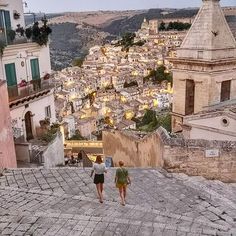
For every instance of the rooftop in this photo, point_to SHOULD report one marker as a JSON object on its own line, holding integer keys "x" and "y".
{"x": 63, "y": 201}
{"x": 210, "y": 33}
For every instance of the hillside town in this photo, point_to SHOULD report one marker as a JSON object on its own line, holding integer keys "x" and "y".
{"x": 112, "y": 85}
{"x": 138, "y": 138}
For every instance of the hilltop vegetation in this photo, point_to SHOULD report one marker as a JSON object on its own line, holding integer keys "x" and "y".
{"x": 133, "y": 24}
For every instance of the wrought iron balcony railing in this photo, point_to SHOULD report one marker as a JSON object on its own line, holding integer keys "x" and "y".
{"x": 28, "y": 89}
{"x": 6, "y": 39}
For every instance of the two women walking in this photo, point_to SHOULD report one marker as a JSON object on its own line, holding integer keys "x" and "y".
{"x": 122, "y": 178}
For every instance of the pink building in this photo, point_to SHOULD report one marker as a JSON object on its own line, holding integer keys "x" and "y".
{"x": 7, "y": 148}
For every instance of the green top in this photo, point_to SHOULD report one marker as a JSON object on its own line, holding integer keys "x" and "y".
{"x": 122, "y": 175}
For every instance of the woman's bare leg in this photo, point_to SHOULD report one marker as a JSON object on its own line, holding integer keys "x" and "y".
{"x": 124, "y": 191}
{"x": 122, "y": 195}
{"x": 99, "y": 191}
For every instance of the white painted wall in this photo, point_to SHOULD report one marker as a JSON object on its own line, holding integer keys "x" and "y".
{"x": 70, "y": 120}
{"x": 22, "y": 55}
{"x": 197, "y": 133}
{"x": 54, "y": 154}
{"x": 216, "y": 122}
{"x": 37, "y": 108}
{"x": 14, "y": 5}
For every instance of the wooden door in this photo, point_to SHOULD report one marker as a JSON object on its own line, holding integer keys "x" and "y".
{"x": 28, "y": 126}
{"x": 225, "y": 91}
{"x": 189, "y": 99}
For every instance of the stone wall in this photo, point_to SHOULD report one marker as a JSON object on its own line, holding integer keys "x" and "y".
{"x": 23, "y": 152}
{"x": 134, "y": 151}
{"x": 54, "y": 154}
{"x": 189, "y": 157}
{"x": 173, "y": 154}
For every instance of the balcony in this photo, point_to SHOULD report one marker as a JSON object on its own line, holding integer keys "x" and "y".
{"x": 3, "y": 3}
{"x": 27, "y": 91}
{"x": 8, "y": 40}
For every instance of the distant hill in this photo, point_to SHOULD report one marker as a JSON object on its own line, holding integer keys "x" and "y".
{"x": 132, "y": 24}
{"x": 68, "y": 41}
{"x": 29, "y": 18}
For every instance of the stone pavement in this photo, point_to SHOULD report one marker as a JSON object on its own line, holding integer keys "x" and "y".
{"x": 63, "y": 201}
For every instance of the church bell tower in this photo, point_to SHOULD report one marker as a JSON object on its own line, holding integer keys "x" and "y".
{"x": 204, "y": 71}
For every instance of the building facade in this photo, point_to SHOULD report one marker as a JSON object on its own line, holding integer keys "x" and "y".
{"x": 25, "y": 66}
{"x": 205, "y": 68}
{"x": 7, "y": 149}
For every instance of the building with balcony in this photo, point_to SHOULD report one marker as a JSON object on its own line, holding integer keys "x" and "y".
{"x": 26, "y": 68}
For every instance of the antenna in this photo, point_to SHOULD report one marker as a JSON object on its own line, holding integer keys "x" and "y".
{"x": 25, "y": 4}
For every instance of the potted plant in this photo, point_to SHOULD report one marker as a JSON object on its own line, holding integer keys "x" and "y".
{"x": 46, "y": 76}
{"x": 28, "y": 33}
{"x": 45, "y": 123}
{"x": 16, "y": 15}
{"x": 40, "y": 35}
{"x": 20, "y": 30}
{"x": 23, "y": 83}
{"x": 11, "y": 35}
{"x": 2, "y": 47}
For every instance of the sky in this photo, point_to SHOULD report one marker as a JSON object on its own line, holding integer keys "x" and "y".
{"x": 52, "y": 6}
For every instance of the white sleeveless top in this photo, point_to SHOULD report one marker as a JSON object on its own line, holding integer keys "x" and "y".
{"x": 99, "y": 168}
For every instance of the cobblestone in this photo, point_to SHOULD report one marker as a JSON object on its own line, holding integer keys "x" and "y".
{"x": 63, "y": 201}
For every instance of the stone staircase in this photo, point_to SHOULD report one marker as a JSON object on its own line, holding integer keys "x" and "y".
{"x": 63, "y": 202}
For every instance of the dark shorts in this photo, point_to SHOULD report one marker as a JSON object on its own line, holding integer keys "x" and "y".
{"x": 99, "y": 179}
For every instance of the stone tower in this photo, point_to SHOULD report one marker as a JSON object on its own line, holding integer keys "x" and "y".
{"x": 204, "y": 70}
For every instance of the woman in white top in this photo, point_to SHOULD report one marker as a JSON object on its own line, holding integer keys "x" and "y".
{"x": 99, "y": 168}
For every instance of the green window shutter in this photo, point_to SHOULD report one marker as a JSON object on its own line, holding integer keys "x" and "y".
{"x": 10, "y": 70}
{"x": 2, "y": 26}
{"x": 7, "y": 20}
{"x": 35, "y": 69}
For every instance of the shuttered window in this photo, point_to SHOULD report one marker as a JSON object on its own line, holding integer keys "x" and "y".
{"x": 5, "y": 26}
{"x": 7, "y": 20}
{"x": 10, "y": 70}
{"x": 2, "y": 25}
{"x": 35, "y": 69}
{"x": 225, "y": 90}
{"x": 190, "y": 97}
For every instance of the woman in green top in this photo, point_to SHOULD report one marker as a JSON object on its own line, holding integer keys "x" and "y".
{"x": 122, "y": 180}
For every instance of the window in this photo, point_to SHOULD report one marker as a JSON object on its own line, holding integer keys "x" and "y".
{"x": 48, "y": 112}
{"x": 35, "y": 69}
{"x": 225, "y": 122}
{"x": 10, "y": 70}
{"x": 5, "y": 24}
{"x": 189, "y": 97}
{"x": 225, "y": 91}
{"x": 200, "y": 54}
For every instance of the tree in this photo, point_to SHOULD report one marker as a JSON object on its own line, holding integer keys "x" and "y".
{"x": 160, "y": 75}
{"x": 162, "y": 26}
{"x": 149, "y": 117}
{"x": 170, "y": 26}
{"x": 77, "y": 136}
{"x": 78, "y": 62}
{"x": 127, "y": 41}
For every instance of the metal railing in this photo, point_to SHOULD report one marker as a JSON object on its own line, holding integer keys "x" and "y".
{"x": 32, "y": 87}
{"x": 6, "y": 40}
